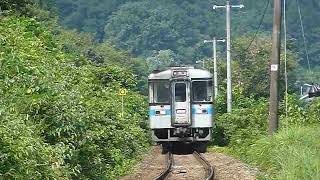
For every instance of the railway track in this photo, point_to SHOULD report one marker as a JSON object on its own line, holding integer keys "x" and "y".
{"x": 206, "y": 164}
{"x": 166, "y": 172}
{"x": 199, "y": 157}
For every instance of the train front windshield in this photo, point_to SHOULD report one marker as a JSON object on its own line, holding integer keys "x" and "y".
{"x": 159, "y": 92}
{"x": 202, "y": 91}
{"x": 180, "y": 92}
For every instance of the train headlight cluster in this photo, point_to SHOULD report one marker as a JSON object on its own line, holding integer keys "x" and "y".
{"x": 201, "y": 111}
{"x": 161, "y": 112}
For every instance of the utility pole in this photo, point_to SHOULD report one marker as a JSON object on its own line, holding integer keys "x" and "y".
{"x": 228, "y": 29}
{"x": 275, "y": 68}
{"x": 215, "y": 68}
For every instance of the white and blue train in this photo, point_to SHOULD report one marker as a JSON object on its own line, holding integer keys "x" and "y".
{"x": 181, "y": 106}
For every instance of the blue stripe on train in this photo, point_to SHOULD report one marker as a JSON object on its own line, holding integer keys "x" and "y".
{"x": 210, "y": 110}
{"x": 152, "y": 112}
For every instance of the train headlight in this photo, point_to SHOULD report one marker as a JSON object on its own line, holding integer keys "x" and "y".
{"x": 161, "y": 112}
{"x": 201, "y": 111}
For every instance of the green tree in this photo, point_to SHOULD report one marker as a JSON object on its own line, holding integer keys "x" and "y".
{"x": 251, "y": 69}
{"x": 141, "y": 27}
{"x": 16, "y": 5}
{"x": 162, "y": 60}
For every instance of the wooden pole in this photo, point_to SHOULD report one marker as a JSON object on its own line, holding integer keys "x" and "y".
{"x": 275, "y": 68}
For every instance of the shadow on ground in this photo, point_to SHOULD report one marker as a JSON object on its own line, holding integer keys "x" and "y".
{"x": 181, "y": 148}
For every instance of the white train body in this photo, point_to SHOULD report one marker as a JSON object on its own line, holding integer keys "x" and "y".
{"x": 181, "y": 105}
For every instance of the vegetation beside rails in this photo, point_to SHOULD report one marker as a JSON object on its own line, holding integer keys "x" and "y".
{"x": 60, "y": 114}
{"x": 291, "y": 153}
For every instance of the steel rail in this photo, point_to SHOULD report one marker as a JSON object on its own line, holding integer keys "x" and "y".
{"x": 204, "y": 162}
{"x": 166, "y": 172}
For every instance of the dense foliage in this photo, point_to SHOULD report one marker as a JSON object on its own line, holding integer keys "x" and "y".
{"x": 245, "y": 134}
{"x": 145, "y": 26}
{"x": 103, "y": 54}
{"x": 16, "y": 5}
{"x": 60, "y": 113}
{"x": 250, "y": 68}
{"x": 243, "y": 130}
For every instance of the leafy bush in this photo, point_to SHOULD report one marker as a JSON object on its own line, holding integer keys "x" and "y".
{"x": 292, "y": 153}
{"x": 249, "y": 119}
{"x": 243, "y": 126}
{"x": 63, "y": 118}
{"x": 24, "y": 154}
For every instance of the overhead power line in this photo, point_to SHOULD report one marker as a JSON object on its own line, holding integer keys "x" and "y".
{"x": 260, "y": 24}
{"x": 259, "y": 27}
{"x": 304, "y": 39}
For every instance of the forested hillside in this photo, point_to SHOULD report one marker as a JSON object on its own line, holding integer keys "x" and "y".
{"x": 145, "y": 27}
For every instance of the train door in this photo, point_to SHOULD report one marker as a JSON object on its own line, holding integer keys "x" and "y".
{"x": 181, "y": 103}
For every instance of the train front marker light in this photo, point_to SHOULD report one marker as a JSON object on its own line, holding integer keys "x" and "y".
{"x": 161, "y": 112}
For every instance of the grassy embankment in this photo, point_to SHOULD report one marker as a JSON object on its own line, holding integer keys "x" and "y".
{"x": 291, "y": 153}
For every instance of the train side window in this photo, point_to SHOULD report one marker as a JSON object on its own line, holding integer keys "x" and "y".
{"x": 180, "y": 92}
{"x": 202, "y": 91}
{"x": 160, "y": 92}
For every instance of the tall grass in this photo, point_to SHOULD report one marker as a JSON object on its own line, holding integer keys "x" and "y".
{"x": 293, "y": 153}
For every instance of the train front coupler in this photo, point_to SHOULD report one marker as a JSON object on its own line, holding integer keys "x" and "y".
{"x": 181, "y": 132}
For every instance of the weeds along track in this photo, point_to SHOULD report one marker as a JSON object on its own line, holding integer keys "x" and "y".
{"x": 170, "y": 162}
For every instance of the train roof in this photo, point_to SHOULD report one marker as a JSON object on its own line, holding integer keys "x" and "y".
{"x": 191, "y": 73}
